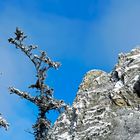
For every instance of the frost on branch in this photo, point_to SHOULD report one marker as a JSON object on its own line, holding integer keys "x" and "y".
{"x": 44, "y": 101}
{"x": 3, "y": 123}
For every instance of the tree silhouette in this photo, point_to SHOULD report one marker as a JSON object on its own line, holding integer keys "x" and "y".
{"x": 44, "y": 100}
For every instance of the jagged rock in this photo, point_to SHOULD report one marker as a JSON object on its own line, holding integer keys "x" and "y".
{"x": 107, "y": 105}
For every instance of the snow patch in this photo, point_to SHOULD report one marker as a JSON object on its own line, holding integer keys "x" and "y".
{"x": 118, "y": 86}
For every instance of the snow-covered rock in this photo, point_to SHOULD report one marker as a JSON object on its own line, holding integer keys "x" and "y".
{"x": 107, "y": 105}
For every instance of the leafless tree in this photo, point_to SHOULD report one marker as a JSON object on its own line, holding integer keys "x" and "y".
{"x": 44, "y": 100}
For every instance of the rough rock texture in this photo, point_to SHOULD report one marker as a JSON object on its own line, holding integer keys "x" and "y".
{"x": 106, "y": 106}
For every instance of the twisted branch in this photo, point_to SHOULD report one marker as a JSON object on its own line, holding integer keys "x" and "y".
{"x": 44, "y": 101}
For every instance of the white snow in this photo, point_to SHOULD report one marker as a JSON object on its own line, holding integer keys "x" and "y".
{"x": 136, "y": 77}
{"x": 80, "y": 105}
{"x": 135, "y": 56}
{"x": 65, "y": 120}
{"x": 65, "y": 135}
{"x": 131, "y": 67}
{"x": 118, "y": 85}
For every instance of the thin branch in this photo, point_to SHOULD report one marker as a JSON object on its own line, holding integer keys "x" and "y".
{"x": 3, "y": 123}
{"x": 24, "y": 95}
{"x": 38, "y": 61}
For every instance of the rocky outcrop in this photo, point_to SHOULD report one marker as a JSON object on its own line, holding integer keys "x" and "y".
{"x": 107, "y": 105}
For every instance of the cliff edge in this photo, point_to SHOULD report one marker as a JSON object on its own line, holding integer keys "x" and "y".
{"x": 107, "y": 105}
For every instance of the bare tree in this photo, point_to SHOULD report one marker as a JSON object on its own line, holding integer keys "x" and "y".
{"x": 44, "y": 100}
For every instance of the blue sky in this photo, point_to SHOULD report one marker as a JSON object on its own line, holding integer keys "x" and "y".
{"x": 82, "y": 35}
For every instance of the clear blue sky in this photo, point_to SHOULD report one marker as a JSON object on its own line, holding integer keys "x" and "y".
{"x": 81, "y": 34}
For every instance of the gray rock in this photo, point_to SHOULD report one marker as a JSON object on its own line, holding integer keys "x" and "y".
{"x": 106, "y": 107}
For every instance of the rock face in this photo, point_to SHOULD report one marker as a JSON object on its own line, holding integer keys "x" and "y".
{"x": 107, "y": 105}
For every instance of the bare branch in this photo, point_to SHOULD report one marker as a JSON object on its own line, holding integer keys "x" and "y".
{"x": 38, "y": 61}
{"x": 44, "y": 101}
{"x": 3, "y": 123}
{"x": 24, "y": 95}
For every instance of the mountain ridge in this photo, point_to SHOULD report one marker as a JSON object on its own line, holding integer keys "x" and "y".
{"x": 106, "y": 106}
